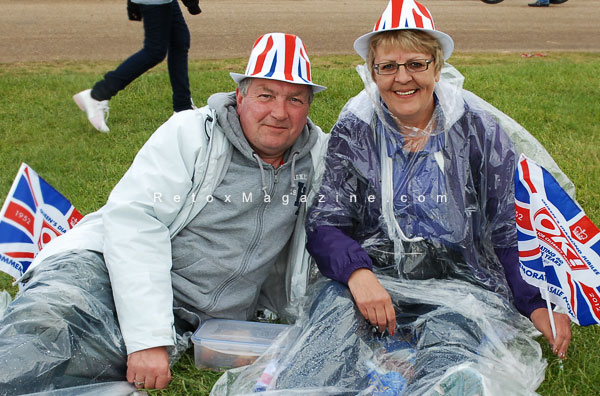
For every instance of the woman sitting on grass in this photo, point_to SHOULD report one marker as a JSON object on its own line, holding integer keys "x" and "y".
{"x": 415, "y": 225}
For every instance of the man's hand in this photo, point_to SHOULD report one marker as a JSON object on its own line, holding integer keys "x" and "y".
{"x": 372, "y": 300}
{"x": 149, "y": 368}
{"x": 562, "y": 322}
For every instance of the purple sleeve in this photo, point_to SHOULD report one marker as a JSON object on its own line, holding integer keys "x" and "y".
{"x": 527, "y": 297}
{"x": 336, "y": 254}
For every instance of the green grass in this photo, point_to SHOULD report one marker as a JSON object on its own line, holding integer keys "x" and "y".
{"x": 555, "y": 97}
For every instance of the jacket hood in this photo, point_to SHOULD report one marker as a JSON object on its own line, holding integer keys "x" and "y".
{"x": 225, "y": 106}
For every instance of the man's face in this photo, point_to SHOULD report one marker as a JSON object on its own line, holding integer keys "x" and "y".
{"x": 273, "y": 114}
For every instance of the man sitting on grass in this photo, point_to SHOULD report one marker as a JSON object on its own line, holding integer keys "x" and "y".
{"x": 207, "y": 222}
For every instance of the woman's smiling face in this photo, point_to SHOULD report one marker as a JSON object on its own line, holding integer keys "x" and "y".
{"x": 408, "y": 96}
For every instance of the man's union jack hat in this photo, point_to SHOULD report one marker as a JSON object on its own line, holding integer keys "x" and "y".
{"x": 279, "y": 56}
{"x": 400, "y": 15}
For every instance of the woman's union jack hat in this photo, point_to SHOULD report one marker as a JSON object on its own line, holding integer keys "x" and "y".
{"x": 405, "y": 14}
{"x": 279, "y": 56}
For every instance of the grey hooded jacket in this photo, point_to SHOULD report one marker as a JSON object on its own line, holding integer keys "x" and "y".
{"x": 224, "y": 255}
{"x": 168, "y": 184}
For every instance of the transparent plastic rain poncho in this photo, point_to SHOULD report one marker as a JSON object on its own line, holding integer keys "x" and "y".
{"x": 429, "y": 220}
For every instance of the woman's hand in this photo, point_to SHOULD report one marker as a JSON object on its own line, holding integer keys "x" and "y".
{"x": 149, "y": 368}
{"x": 562, "y": 322}
{"x": 372, "y": 300}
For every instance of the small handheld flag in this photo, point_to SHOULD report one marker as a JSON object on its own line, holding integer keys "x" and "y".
{"x": 33, "y": 214}
{"x": 559, "y": 247}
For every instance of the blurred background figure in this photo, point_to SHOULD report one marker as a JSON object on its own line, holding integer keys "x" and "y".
{"x": 165, "y": 35}
{"x": 545, "y": 3}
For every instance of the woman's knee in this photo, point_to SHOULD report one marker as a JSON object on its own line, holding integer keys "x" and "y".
{"x": 333, "y": 296}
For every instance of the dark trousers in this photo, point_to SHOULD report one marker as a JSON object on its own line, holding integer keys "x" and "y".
{"x": 165, "y": 33}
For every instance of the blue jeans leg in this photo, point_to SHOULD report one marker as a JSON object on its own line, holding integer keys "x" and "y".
{"x": 164, "y": 27}
{"x": 177, "y": 60}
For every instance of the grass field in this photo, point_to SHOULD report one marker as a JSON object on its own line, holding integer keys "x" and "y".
{"x": 555, "y": 97}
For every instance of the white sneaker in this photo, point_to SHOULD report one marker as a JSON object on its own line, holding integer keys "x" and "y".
{"x": 96, "y": 110}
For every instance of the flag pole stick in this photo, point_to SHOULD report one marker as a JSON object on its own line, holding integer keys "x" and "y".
{"x": 551, "y": 317}
{"x": 549, "y": 306}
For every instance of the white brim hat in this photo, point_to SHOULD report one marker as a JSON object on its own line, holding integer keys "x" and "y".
{"x": 405, "y": 15}
{"x": 282, "y": 57}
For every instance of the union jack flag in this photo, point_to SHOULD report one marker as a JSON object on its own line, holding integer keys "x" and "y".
{"x": 559, "y": 247}
{"x": 33, "y": 214}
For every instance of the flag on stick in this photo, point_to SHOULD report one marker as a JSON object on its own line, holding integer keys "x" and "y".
{"x": 559, "y": 247}
{"x": 33, "y": 214}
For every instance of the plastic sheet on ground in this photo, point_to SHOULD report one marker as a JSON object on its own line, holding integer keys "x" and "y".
{"x": 61, "y": 334}
{"x": 5, "y": 299}
{"x": 453, "y": 338}
{"x": 118, "y": 388}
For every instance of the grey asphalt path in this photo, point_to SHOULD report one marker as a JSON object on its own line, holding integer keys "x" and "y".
{"x": 46, "y": 30}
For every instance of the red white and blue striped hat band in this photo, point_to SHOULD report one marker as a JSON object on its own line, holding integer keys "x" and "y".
{"x": 405, "y": 15}
{"x": 282, "y": 57}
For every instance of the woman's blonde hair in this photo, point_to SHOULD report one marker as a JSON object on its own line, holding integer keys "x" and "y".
{"x": 408, "y": 40}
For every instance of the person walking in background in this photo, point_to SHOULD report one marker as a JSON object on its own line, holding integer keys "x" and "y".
{"x": 545, "y": 3}
{"x": 165, "y": 33}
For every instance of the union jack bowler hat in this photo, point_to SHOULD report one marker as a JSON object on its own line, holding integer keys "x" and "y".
{"x": 401, "y": 15}
{"x": 279, "y": 56}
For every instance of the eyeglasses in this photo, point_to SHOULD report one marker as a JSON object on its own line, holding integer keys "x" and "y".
{"x": 412, "y": 66}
